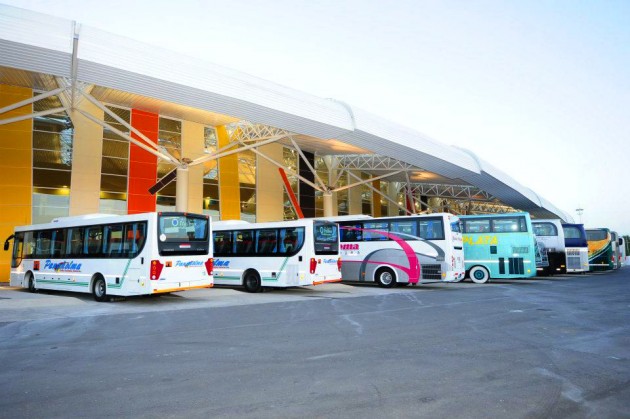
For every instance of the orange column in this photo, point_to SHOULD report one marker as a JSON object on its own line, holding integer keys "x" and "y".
{"x": 142, "y": 164}
{"x": 376, "y": 199}
{"x": 229, "y": 186}
{"x": 16, "y": 171}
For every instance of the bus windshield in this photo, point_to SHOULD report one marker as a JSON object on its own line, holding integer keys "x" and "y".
{"x": 596, "y": 235}
{"x": 326, "y": 238}
{"x": 182, "y": 234}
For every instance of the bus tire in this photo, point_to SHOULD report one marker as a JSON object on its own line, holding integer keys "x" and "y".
{"x": 385, "y": 278}
{"x": 30, "y": 280}
{"x": 99, "y": 289}
{"x": 479, "y": 275}
{"x": 251, "y": 281}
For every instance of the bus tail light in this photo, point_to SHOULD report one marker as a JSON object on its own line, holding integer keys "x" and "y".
{"x": 313, "y": 265}
{"x": 156, "y": 269}
{"x": 209, "y": 266}
{"x": 339, "y": 264}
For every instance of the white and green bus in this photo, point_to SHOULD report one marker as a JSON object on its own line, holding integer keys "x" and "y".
{"x": 276, "y": 254}
{"x": 114, "y": 255}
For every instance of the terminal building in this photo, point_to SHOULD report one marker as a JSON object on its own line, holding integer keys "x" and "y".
{"x": 90, "y": 122}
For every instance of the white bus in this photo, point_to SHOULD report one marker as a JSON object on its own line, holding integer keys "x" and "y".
{"x": 276, "y": 254}
{"x": 550, "y": 234}
{"x": 114, "y": 255}
{"x": 403, "y": 250}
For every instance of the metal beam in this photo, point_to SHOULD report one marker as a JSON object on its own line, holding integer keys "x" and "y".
{"x": 31, "y": 115}
{"x": 32, "y": 100}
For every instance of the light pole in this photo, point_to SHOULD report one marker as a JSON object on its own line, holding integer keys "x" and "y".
{"x": 579, "y": 213}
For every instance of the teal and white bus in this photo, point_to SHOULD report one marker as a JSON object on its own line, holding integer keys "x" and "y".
{"x": 499, "y": 246}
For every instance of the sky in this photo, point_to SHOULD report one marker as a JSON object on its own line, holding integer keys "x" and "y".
{"x": 539, "y": 89}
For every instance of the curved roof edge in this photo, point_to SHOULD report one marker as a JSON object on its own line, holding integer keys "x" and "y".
{"x": 41, "y": 43}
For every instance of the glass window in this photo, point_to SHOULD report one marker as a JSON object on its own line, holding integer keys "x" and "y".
{"x": 44, "y": 239}
{"x": 115, "y": 164}
{"x": 244, "y": 240}
{"x": 114, "y": 243}
{"x": 18, "y": 248}
{"x": 509, "y": 225}
{"x": 545, "y": 229}
{"x": 571, "y": 232}
{"x": 456, "y": 226}
{"x": 169, "y": 137}
{"x": 407, "y": 227}
{"x": 222, "y": 243}
{"x": 477, "y": 226}
{"x": 291, "y": 240}
{"x": 59, "y": 243}
{"x": 351, "y": 232}
{"x": 596, "y": 235}
{"x": 431, "y": 229}
{"x": 52, "y": 142}
{"x": 375, "y": 235}
{"x": 266, "y": 241}
{"x": 93, "y": 240}
{"x": 326, "y": 238}
{"x": 290, "y": 159}
{"x": 30, "y": 244}
{"x": 182, "y": 228}
{"x": 76, "y": 241}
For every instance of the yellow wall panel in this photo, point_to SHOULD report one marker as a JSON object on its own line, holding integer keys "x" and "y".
{"x": 192, "y": 148}
{"x": 87, "y": 152}
{"x": 15, "y": 172}
{"x": 269, "y": 186}
{"x": 229, "y": 188}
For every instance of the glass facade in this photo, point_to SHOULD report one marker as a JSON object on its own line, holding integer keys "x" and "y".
{"x": 343, "y": 203}
{"x": 211, "y": 176}
{"x": 169, "y": 137}
{"x": 290, "y": 158}
{"x": 53, "y": 137}
{"x": 366, "y": 195}
{"x": 247, "y": 184}
{"x": 115, "y": 164}
{"x": 322, "y": 171}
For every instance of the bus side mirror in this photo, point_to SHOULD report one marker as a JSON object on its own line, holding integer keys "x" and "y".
{"x": 6, "y": 245}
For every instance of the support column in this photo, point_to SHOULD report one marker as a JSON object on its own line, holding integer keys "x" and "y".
{"x": 229, "y": 188}
{"x": 376, "y": 199}
{"x": 16, "y": 171}
{"x": 355, "y": 206}
{"x": 142, "y": 164}
{"x": 328, "y": 205}
{"x": 87, "y": 156}
{"x": 269, "y": 186}
{"x": 392, "y": 193}
{"x": 192, "y": 148}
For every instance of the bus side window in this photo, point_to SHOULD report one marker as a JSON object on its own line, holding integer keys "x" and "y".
{"x": 267, "y": 241}
{"x": 244, "y": 242}
{"x": 30, "y": 244}
{"x": 351, "y": 234}
{"x": 141, "y": 236}
{"x": 76, "y": 241}
{"x": 94, "y": 240}
{"x": 18, "y": 248}
{"x": 59, "y": 243}
{"x": 113, "y": 246}
{"x": 44, "y": 240}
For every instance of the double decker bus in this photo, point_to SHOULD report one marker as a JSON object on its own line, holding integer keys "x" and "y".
{"x": 276, "y": 254}
{"x": 499, "y": 246}
{"x": 401, "y": 250}
{"x": 601, "y": 249}
{"x": 576, "y": 248}
{"x": 114, "y": 255}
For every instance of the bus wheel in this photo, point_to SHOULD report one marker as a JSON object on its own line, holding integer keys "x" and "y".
{"x": 385, "y": 277}
{"x": 99, "y": 289}
{"x": 252, "y": 282}
{"x": 479, "y": 275}
{"x": 31, "y": 283}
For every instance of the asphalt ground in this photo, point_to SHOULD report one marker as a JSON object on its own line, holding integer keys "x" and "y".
{"x": 539, "y": 348}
